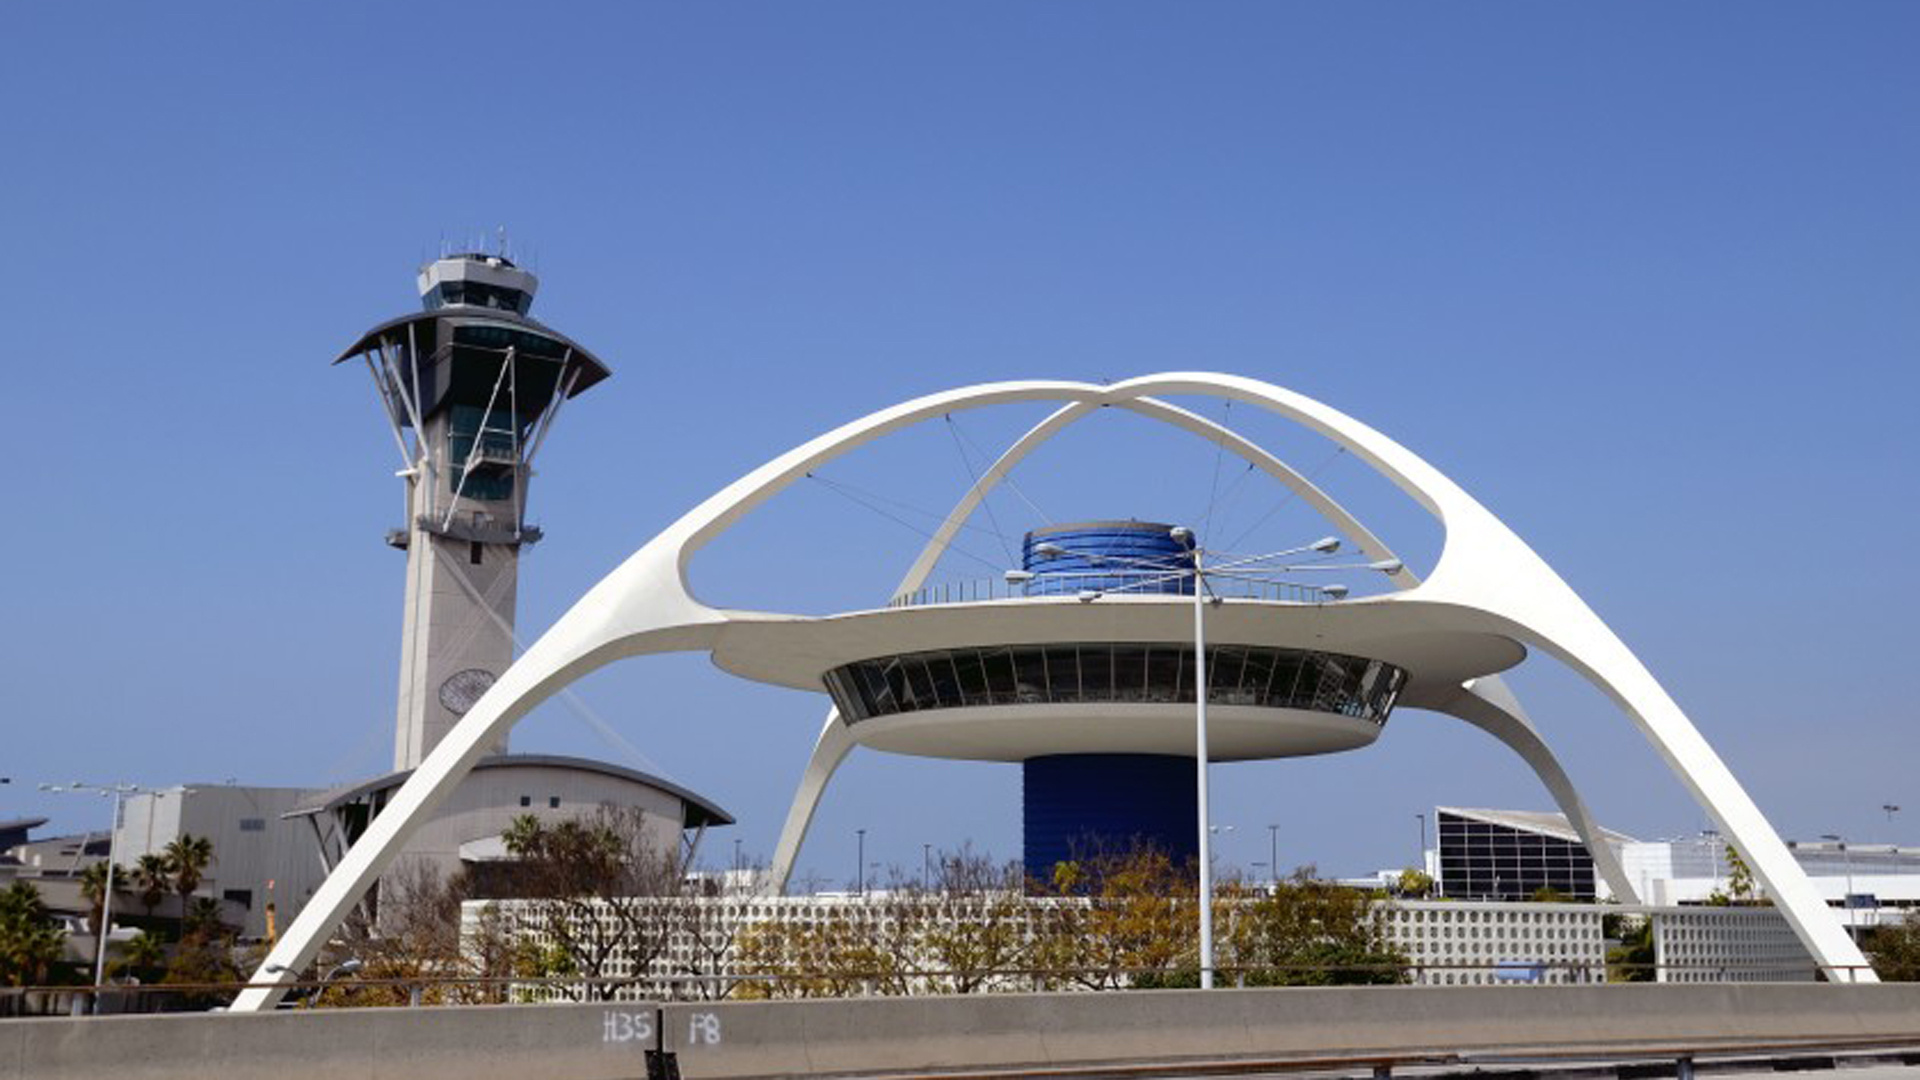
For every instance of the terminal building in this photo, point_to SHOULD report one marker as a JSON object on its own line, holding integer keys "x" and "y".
{"x": 1510, "y": 855}
{"x": 1083, "y": 664}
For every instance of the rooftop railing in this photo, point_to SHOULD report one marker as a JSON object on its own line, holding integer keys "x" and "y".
{"x": 1107, "y": 583}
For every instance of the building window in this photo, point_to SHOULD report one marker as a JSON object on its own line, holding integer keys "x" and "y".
{"x": 1130, "y": 672}
{"x": 253, "y": 824}
{"x": 553, "y": 802}
{"x": 474, "y": 551}
{"x": 526, "y": 800}
{"x": 243, "y": 897}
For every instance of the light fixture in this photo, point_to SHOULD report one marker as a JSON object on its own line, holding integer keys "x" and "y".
{"x": 1334, "y": 592}
{"x": 1017, "y": 577}
{"x": 1326, "y": 545}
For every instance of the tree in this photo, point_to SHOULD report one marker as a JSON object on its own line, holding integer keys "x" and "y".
{"x": 151, "y": 879}
{"x": 1118, "y": 920}
{"x": 1308, "y": 932}
{"x": 974, "y": 925}
{"x": 413, "y": 944}
{"x": 1895, "y": 950}
{"x": 93, "y": 889}
{"x": 1414, "y": 884}
{"x": 1634, "y": 958}
{"x": 30, "y": 942}
{"x": 594, "y": 883}
{"x": 188, "y": 857}
{"x": 144, "y": 958}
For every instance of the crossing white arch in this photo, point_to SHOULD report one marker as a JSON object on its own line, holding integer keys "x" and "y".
{"x": 1486, "y": 579}
{"x": 1487, "y": 703}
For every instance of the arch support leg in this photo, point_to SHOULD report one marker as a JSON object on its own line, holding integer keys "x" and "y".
{"x": 828, "y": 752}
{"x": 1490, "y": 705}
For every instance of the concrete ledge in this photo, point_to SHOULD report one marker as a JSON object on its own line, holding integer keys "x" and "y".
{"x": 734, "y": 1041}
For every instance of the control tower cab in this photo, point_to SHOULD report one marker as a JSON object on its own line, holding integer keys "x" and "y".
{"x": 470, "y": 386}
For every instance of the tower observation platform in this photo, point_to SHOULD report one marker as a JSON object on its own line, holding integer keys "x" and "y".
{"x": 470, "y": 386}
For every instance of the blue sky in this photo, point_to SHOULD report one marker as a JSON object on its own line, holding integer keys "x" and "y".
{"x": 1641, "y": 278}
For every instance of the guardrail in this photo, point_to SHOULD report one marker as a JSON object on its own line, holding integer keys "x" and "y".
{"x": 842, "y": 984}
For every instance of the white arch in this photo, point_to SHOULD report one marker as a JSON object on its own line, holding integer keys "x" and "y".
{"x": 1488, "y": 704}
{"x": 1486, "y": 578}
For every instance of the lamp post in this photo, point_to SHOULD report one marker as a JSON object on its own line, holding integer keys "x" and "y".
{"x": 1273, "y": 854}
{"x": 860, "y": 862}
{"x": 118, "y": 793}
{"x": 1423, "y": 841}
{"x": 1846, "y": 902}
{"x": 1150, "y": 573}
{"x": 926, "y": 867}
{"x": 1889, "y": 808}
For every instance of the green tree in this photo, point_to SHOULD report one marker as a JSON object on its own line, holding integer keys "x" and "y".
{"x": 1895, "y": 950}
{"x": 151, "y": 880}
{"x": 144, "y": 958}
{"x": 30, "y": 941}
{"x": 188, "y": 857}
{"x": 93, "y": 889}
{"x": 1633, "y": 959}
{"x": 1309, "y": 932}
{"x": 1118, "y": 920}
{"x": 1414, "y": 884}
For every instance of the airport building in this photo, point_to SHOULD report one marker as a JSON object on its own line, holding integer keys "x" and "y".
{"x": 1127, "y": 657}
{"x": 1510, "y": 855}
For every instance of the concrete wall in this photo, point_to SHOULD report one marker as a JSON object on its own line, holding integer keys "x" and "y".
{"x": 733, "y": 1040}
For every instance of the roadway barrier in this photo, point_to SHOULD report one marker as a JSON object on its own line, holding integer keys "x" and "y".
{"x": 737, "y": 1040}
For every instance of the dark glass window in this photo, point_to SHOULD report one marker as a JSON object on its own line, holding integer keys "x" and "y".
{"x": 1094, "y": 672}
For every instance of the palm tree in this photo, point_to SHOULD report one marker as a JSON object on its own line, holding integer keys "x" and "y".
{"x": 187, "y": 859}
{"x": 144, "y": 957}
{"x": 30, "y": 943}
{"x": 151, "y": 879}
{"x": 93, "y": 889}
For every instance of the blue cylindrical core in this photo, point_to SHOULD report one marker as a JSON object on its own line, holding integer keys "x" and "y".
{"x": 1105, "y": 556}
{"x": 1079, "y": 806}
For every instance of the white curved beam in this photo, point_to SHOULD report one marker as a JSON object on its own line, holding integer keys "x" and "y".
{"x": 829, "y": 750}
{"x": 1485, "y": 572}
{"x": 1489, "y": 705}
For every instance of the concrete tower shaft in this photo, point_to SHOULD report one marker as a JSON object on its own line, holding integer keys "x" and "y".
{"x": 470, "y": 388}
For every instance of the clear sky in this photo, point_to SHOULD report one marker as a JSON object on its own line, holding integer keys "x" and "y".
{"x": 1643, "y": 278}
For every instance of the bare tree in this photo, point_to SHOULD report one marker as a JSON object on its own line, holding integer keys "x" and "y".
{"x": 594, "y": 886}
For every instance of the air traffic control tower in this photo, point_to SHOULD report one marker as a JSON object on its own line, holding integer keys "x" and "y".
{"x": 470, "y": 386}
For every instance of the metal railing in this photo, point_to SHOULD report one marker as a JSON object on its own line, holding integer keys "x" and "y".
{"x": 1052, "y": 587}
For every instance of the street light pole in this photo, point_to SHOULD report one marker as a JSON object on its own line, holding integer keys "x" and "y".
{"x": 1423, "y": 841}
{"x": 1273, "y": 856}
{"x": 1200, "y": 761}
{"x": 1846, "y": 902}
{"x": 926, "y": 867}
{"x": 860, "y": 863}
{"x": 117, "y": 792}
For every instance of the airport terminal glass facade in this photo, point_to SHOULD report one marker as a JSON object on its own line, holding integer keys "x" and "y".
{"x": 1491, "y": 860}
{"x": 1118, "y": 673}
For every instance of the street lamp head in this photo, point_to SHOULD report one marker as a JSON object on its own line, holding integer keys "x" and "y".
{"x": 1018, "y": 577}
{"x": 1049, "y": 550}
{"x": 1181, "y": 534}
{"x": 1326, "y": 545}
{"x": 1334, "y": 592}
{"x": 1088, "y": 596}
{"x": 1387, "y": 566}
